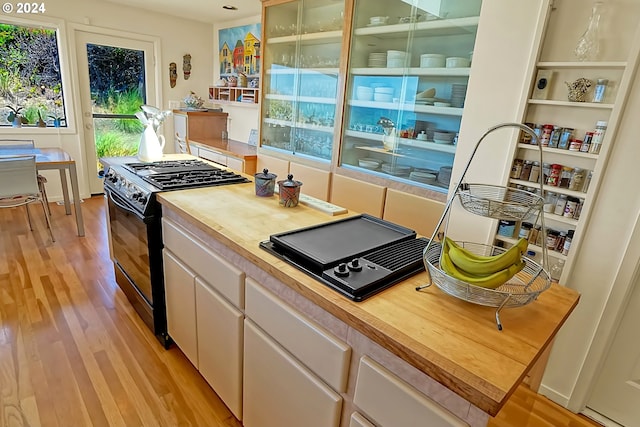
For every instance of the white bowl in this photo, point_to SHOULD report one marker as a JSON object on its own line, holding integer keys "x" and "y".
{"x": 364, "y": 96}
{"x": 442, "y": 104}
{"x": 457, "y": 62}
{"x": 377, "y": 20}
{"x": 369, "y": 163}
{"x": 395, "y": 63}
{"x": 432, "y": 61}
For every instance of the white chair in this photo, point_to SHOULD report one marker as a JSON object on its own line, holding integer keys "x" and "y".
{"x": 183, "y": 145}
{"x": 27, "y": 144}
{"x": 19, "y": 186}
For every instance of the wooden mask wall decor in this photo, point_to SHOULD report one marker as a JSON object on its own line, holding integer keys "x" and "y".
{"x": 186, "y": 66}
{"x": 173, "y": 74}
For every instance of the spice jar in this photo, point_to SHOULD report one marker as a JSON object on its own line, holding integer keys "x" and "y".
{"x": 598, "y": 136}
{"x": 565, "y": 138}
{"x": 525, "y": 229}
{"x": 575, "y": 145}
{"x": 586, "y": 142}
{"x": 525, "y": 137}
{"x": 577, "y": 179}
{"x": 555, "y": 137}
{"x": 565, "y": 176}
{"x": 535, "y": 172}
{"x": 567, "y": 242}
{"x": 570, "y": 207}
{"x": 598, "y": 92}
{"x": 587, "y": 181}
{"x": 560, "y": 205}
{"x": 554, "y": 175}
{"x": 516, "y": 169}
{"x": 550, "y": 201}
{"x": 537, "y": 129}
{"x": 560, "y": 241}
{"x": 545, "y": 137}
{"x": 546, "y": 169}
{"x": 534, "y": 234}
{"x": 526, "y": 170}
{"x": 552, "y": 239}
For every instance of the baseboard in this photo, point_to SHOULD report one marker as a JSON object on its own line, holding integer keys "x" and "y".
{"x": 593, "y": 415}
{"x": 553, "y": 395}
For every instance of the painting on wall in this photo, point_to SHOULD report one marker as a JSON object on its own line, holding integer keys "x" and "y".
{"x": 239, "y": 51}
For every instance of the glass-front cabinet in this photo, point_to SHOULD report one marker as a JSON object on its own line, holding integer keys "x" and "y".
{"x": 303, "y": 45}
{"x": 409, "y": 65}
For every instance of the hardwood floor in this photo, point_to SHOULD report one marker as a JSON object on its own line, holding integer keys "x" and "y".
{"x": 74, "y": 353}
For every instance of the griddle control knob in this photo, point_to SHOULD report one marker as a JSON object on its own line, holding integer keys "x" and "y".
{"x": 341, "y": 270}
{"x": 355, "y": 265}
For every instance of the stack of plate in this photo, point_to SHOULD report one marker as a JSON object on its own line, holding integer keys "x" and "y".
{"x": 432, "y": 60}
{"x": 369, "y": 163}
{"x": 444, "y": 175}
{"x": 443, "y": 137}
{"x": 364, "y": 93}
{"x": 397, "y": 58}
{"x": 383, "y": 94}
{"x": 396, "y": 170}
{"x": 377, "y": 60}
{"x": 458, "y": 94}
{"x": 424, "y": 177}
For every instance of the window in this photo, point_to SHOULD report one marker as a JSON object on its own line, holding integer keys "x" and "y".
{"x": 31, "y": 92}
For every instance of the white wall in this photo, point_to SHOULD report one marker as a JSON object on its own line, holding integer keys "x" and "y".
{"x": 177, "y": 37}
{"x": 242, "y": 118}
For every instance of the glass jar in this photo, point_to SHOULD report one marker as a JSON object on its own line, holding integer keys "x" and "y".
{"x": 516, "y": 169}
{"x": 552, "y": 239}
{"x": 587, "y": 181}
{"x": 577, "y": 179}
{"x": 555, "y": 137}
{"x": 534, "y": 234}
{"x": 546, "y": 169}
{"x": 565, "y": 138}
{"x": 554, "y": 175}
{"x": 598, "y": 92}
{"x": 525, "y": 230}
{"x": 506, "y": 228}
{"x": 535, "y": 172}
{"x": 526, "y": 170}
{"x": 567, "y": 242}
{"x": 588, "y": 45}
{"x": 560, "y": 205}
{"x": 598, "y": 136}
{"x": 550, "y": 201}
{"x": 575, "y": 145}
{"x": 565, "y": 176}
{"x": 570, "y": 207}
{"x": 546, "y": 135}
{"x": 586, "y": 142}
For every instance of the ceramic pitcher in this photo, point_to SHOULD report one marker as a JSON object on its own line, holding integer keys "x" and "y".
{"x": 151, "y": 145}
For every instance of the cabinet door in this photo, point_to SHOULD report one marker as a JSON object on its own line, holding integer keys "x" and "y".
{"x": 278, "y": 391}
{"x": 303, "y": 47}
{"x": 180, "y": 125}
{"x": 179, "y": 284}
{"x": 220, "y": 334}
{"x": 407, "y": 82}
{"x": 235, "y": 164}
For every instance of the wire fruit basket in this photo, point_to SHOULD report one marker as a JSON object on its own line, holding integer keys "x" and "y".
{"x": 495, "y": 202}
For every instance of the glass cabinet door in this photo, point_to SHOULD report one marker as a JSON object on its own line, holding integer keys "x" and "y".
{"x": 408, "y": 72}
{"x": 301, "y": 70}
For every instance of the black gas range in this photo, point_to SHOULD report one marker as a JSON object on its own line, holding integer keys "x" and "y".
{"x": 136, "y": 230}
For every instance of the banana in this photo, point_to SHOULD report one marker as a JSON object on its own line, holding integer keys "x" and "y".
{"x": 477, "y": 265}
{"x": 491, "y": 281}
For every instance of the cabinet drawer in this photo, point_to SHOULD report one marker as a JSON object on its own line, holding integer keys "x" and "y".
{"x": 314, "y": 346}
{"x": 281, "y": 392}
{"x": 179, "y": 283}
{"x": 221, "y": 275}
{"x": 220, "y": 340}
{"x": 357, "y": 420}
{"x": 389, "y": 401}
{"x": 235, "y": 164}
{"x": 213, "y": 156}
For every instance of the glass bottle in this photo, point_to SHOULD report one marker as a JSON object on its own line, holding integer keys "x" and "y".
{"x": 556, "y": 270}
{"x": 588, "y": 45}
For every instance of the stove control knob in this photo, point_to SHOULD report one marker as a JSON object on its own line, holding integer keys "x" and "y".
{"x": 142, "y": 200}
{"x": 355, "y": 265}
{"x": 341, "y": 270}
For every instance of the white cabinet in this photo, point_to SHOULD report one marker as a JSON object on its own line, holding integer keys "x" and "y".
{"x": 179, "y": 282}
{"x": 205, "y": 295}
{"x": 279, "y": 391}
{"x": 390, "y": 402}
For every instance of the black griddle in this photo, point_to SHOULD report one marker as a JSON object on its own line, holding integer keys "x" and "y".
{"x": 357, "y": 256}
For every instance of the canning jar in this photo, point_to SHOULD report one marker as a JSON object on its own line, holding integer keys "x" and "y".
{"x": 577, "y": 179}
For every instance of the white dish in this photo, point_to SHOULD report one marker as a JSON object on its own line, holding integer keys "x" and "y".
{"x": 384, "y": 89}
{"x": 442, "y": 104}
{"x": 382, "y": 97}
{"x": 443, "y": 142}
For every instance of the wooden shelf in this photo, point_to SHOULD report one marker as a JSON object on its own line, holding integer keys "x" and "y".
{"x": 235, "y": 95}
{"x": 571, "y": 104}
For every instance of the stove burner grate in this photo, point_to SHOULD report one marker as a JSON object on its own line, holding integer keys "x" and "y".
{"x": 196, "y": 178}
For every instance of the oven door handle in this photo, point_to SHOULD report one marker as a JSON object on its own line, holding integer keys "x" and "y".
{"x": 116, "y": 200}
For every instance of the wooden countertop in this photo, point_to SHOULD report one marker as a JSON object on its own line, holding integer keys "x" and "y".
{"x": 232, "y": 147}
{"x": 454, "y": 342}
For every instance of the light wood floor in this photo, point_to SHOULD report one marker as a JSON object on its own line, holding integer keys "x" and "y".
{"x": 74, "y": 353}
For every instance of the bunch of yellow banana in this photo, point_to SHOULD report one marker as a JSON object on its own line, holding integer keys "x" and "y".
{"x": 484, "y": 271}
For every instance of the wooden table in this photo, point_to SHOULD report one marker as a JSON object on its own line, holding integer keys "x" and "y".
{"x": 52, "y": 159}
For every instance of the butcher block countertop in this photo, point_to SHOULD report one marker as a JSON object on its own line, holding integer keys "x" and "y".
{"x": 452, "y": 341}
